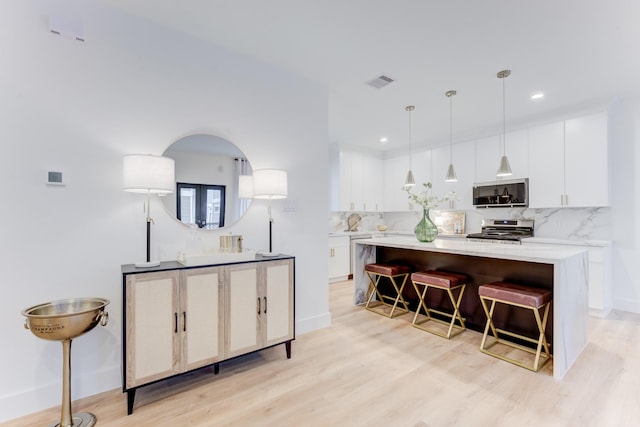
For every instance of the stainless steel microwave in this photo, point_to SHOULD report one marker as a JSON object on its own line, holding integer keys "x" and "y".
{"x": 503, "y": 193}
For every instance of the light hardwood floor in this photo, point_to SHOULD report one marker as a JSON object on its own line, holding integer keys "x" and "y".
{"x": 367, "y": 370}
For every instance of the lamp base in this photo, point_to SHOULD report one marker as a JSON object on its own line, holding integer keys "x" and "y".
{"x": 147, "y": 264}
{"x": 269, "y": 254}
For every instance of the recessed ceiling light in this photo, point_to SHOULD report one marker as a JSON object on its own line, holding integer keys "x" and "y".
{"x": 537, "y": 95}
{"x": 384, "y": 140}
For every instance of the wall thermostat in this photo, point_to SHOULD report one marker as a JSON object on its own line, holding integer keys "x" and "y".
{"x": 54, "y": 178}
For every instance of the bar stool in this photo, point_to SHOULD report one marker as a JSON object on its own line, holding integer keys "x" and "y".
{"x": 526, "y": 297}
{"x": 393, "y": 272}
{"x": 445, "y": 281}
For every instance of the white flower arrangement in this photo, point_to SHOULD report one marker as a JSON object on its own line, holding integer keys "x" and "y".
{"x": 423, "y": 199}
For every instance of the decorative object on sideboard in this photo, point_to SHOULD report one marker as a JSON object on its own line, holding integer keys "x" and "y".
{"x": 230, "y": 243}
{"x": 504, "y": 169}
{"x": 410, "y": 180}
{"x": 270, "y": 184}
{"x": 148, "y": 174}
{"x": 451, "y": 171}
{"x": 63, "y": 321}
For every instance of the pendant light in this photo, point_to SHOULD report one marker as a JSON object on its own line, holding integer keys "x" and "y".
{"x": 451, "y": 171}
{"x": 504, "y": 169}
{"x": 410, "y": 181}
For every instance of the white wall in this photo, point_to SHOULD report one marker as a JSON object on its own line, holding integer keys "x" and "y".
{"x": 78, "y": 108}
{"x": 624, "y": 139}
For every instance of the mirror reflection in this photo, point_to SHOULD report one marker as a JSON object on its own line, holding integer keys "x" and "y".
{"x": 207, "y": 175}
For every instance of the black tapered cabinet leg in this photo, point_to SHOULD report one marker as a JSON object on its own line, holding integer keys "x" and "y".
{"x": 216, "y": 369}
{"x": 131, "y": 396}
{"x": 287, "y": 347}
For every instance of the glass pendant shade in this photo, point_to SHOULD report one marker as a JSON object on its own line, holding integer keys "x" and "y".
{"x": 451, "y": 174}
{"x": 505, "y": 168}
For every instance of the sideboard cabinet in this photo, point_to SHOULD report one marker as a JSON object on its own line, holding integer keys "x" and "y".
{"x": 177, "y": 319}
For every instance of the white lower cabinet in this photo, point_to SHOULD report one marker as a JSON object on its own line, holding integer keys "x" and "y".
{"x": 179, "y": 319}
{"x": 600, "y": 275}
{"x": 339, "y": 258}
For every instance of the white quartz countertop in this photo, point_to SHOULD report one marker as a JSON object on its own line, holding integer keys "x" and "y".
{"x": 529, "y": 253}
{"x": 355, "y": 233}
{"x": 552, "y": 241}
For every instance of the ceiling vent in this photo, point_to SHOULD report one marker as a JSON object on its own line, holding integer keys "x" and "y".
{"x": 380, "y": 82}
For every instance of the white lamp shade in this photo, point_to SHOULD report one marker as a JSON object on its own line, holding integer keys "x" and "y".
{"x": 145, "y": 173}
{"x": 269, "y": 184}
{"x": 245, "y": 186}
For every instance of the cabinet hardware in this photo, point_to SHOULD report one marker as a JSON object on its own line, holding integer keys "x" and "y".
{"x": 265, "y": 305}
{"x": 175, "y": 329}
{"x": 259, "y": 308}
{"x": 184, "y": 321}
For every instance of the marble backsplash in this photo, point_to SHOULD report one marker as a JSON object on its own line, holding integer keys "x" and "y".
{"x": 560, "y": 223}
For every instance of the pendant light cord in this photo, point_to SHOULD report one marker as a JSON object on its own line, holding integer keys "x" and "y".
{"x": 410, "y": 108}
{"x": 451, "y": 128}
{"x": 504, "y": 117}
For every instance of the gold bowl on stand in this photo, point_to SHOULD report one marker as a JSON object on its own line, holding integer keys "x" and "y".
{"x": 64, "y": 320}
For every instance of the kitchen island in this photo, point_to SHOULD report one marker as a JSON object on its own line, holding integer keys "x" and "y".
{"x": 563, "y": 270}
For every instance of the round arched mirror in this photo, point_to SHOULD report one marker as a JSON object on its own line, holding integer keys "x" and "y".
{"x": 207, "y": 193}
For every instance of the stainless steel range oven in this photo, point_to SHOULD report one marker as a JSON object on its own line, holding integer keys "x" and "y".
{"x": 503, "y": 231}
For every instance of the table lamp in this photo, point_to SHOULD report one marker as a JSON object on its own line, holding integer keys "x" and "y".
{"x": 148, "y": 174}
{"x": 270, "y": 184}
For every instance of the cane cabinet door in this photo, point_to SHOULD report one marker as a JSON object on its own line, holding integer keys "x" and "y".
{"x": 201, "y": 322}
{"x": 152, "y": 338}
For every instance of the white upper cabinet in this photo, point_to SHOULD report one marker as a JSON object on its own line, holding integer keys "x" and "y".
{"x": 360, "y": 182}
{"x": 422, "y": 167}
{"x": 346, "y": 182}
{"x": 517, "y": 149}
{"x": 395, "y": 173}
{"x": 464, "y": 163}
{"x": 488, "y": 153}
{"x": 372, "y": 194}
{"x": 440, "y": 163}
{"x": 546, "y": 165}
{"x": 568, "y": 163}
{"x": 585, "y": 167}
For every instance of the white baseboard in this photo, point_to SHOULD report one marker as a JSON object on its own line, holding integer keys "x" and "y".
{"x": 26, "y": 402}
{"x": 313, "y": 323}
{"x": 624, "y": 304}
